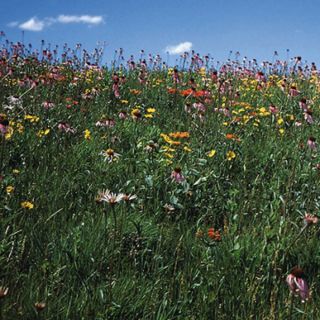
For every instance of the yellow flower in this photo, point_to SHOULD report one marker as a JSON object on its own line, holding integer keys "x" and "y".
{"x": 9, "y": 189}
{"x": 280, "y": 121}
{"x": 281, "y": 131}
{"x": 212, "y": 153}
{"x": 148, "y": 115}
{"x": 27, "y": 205}
{"x": 230, "y": 155}
{"x": 151, "y": 110}
{"x": 9, "y": 133}
{"x": 124, "y": 101}
{"x": 169, "y": 140}
{"x": 87, "y": 134}
{"x": 42, "y": 133}
{"x": 187, "y": 149}
{"x": 15, "y": 171}
{"x": 31, "y": 118}
{"x": 169, "y": 155}
{"x": 20, "y": 127}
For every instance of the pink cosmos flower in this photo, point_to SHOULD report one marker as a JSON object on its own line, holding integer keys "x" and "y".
{"x": 297, "y": 284}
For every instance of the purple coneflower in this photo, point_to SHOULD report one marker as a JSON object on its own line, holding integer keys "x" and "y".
{"x": 297, "y": 284}
{"x": 312, "y": 143}
{"x": 177, "y": 176}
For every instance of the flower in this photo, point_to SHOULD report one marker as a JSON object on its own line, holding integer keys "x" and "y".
{"x": 4, "y": 126}
{"x": 9, "y": 189}
{"x": 47, "y": 105}
{"x": 230, "y": 155}
{"x": 39, "y": 306}
{"x": 65, "y": 127}
{"x": 177, "y": 176}
{"x": 310, "y": 219}
{"x": 27, "y": 205}
{"x": 42, "y": 133}
{"x": 199, "y": 233}
{"x": 136, "y": 114}
{"x": 312, "y": 143}
{"x": 31, "y": 118}
{"x": 214, "y": 235}
{"x": 109, "y": 197}
{"x": 128, "y": 197}
{"x": 273, "y": 109}
{"x": 168, "y": 208}
{"x": 110, "y": 155}
{"x": 3, "y": 292}
{"x": 297, "y": 284}
{"x": 211, "y": 153}
{"x": 87, "y": 134}
{"x": 151, "y": 146}
{"x": 110, "y": 123}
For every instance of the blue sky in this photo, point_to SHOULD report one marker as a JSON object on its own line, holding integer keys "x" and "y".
{"x": 254, "y": 28}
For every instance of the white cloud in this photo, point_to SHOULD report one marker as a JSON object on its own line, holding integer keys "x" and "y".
{"x": 35, "y": 24}
{"x": 179, "y": 48}
{"x": 32, "y": 24}
{"x": 80, "y": 19}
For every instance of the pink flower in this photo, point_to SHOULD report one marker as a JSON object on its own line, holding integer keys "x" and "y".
{"x": 308, "y": 116}
{"x": 122, "y": 115}
{"x": 65, "y": 127}
{"x": 4, "y": 125}
{"x": 297, "y": 284}
{"x": 199, "y": 106}
{"x": 312, "y": 143}
{"x": 273, "y": 109}
{"x": 303, "y": 104}
{"x": 110, "y": 123}
{"x": 310, "y": 219}
{"x": 177, "y": 176}
{"x": 293, "y": 92}
{"x": 47, "y": 105}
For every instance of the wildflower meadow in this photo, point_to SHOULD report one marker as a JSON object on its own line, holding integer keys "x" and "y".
{"x": 136, "y": 189}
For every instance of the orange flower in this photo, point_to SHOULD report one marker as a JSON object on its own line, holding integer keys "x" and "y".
{"x": 231, "y": 136}
{"x": 135, "y": 91}
{"x": 172, "y": 90}
{"x": 214, "y": 235}
{"x": 178, "y": 134}
{"x": 186, "y": 92}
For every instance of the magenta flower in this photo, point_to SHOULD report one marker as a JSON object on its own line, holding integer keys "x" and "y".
{"x": 297, "y": 284}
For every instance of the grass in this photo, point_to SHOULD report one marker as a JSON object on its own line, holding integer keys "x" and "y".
{"x": 155, "y": 257}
